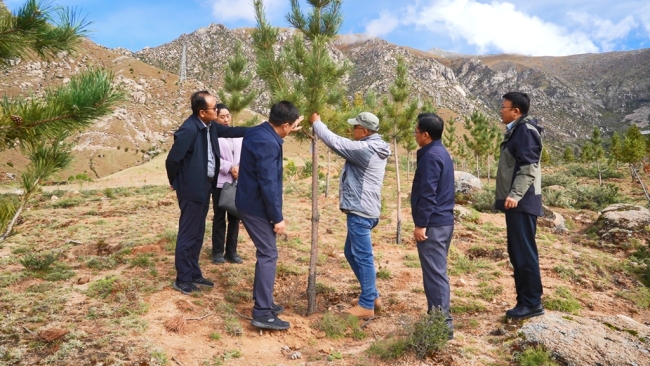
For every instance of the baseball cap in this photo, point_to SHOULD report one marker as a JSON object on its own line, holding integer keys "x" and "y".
{"x": 366, "y": 120}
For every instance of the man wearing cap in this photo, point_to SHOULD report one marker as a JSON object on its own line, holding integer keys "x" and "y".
{"x": 360, "y": 198}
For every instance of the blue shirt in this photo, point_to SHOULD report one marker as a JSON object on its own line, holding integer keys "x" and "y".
{"x": 259, "y": 187}
{"x": 433, "y": 192}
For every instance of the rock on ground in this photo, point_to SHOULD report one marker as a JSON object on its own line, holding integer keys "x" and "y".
{"x": 607, "y": 341}
{"x": 466, "y": 183}
{"x": 620, "y": 222}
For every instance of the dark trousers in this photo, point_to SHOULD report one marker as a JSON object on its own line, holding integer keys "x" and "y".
{"x": 433, "y": 258}
{"x": 522, "y": 249}
{"x": 219, "y": 228}
{"x": 191, "y": 230}
{"x": 261, "y": 232}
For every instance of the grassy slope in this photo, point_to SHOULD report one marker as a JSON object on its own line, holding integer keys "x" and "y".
{"x": 110, "y": 287}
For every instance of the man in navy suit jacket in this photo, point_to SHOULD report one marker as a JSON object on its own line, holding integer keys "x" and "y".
{"x": 192, "y": 165}
{"x": 432, "y": 208}
{"x": 259, "y": 204}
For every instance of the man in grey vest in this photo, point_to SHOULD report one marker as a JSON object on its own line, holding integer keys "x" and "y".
{"x": 360, "y": 198}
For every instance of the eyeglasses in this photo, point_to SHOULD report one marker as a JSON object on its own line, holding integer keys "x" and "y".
{"x": 416, "y": 132}
{"x": 508, "y": 107}
{"x": 359, "y": 127}
{"x": 210, "y": 109}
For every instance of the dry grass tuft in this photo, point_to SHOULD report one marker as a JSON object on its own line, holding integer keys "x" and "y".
{"x": 52, "y": 334}
{"x": 185, "y": 306}
{"x": 177, "y": 324}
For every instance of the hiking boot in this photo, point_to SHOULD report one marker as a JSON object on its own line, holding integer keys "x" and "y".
{"x": 233, "y": 258}
{"x": 524, "y": 312}
{"x": 203, "y": 282}
{"x": 186, "y": 288}
{"x": 360, "y": 312}
{"x": 378, "y": 303}
{"x": 218, "y": 258}
{"x": 270, "y": 322}
{"x": 277, "y": 309}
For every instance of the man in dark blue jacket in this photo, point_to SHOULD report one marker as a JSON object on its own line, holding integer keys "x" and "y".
{"x": 192, "y": 165}
{"x": 259, "y": 203}
{"x": 432, "y": 207}
{"x": 519, "y": 195}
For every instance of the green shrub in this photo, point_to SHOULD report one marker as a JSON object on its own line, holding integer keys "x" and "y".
{"x": 561, "y": 178}
{"x": 290, "y": 170}
{"x": 556, "y": 198}
{"x": 595, "y": 197}
{"x": 108, "y": 192}
{"x": 38, "y": 262}
{"x": 483, "y": 201}
{"x": 306, "y": 170}
{"x": 429, "y": 333}
{"x": 102, "y": 288}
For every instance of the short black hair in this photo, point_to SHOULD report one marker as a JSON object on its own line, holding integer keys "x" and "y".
{"x": 221, "y": 106}
{"x": 283, "y": 112}
{"x": 432, "y": 124}
{"x": 197, "y": 100}
{"x": 518, "y": 100}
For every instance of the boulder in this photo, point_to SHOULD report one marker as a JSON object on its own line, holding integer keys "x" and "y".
{"x": 573, "y": 340}
{"x": 466, "y": 183}
{"x": 553, "y": 220}
{"x": 620, "y": 222}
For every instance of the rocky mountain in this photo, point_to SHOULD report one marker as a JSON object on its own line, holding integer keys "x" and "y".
{"x": 208, "y": 49}
{"x": 138, "y": 129}
{"x": 569, "y": 94}
{"x": 572, "y": 93}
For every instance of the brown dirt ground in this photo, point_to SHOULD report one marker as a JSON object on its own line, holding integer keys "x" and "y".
{"x": 134, "y": 222}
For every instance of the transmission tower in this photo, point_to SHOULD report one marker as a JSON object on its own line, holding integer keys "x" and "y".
{"x": 183, "y": 72}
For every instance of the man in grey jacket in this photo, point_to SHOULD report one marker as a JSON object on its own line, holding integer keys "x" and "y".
{"x": 360, "y": 198}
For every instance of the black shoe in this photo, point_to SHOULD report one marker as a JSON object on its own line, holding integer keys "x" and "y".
{"x": 186, "y": 287}
{"x": 233, "y": 258}
{"x": 218, "y": 258}
{"x": 524, "y": 312}
{"x": 203, "y": 282}
{"x": 277, "y": 309}
{"x": 451, "y": 335}
{"x": 270, "y": 322}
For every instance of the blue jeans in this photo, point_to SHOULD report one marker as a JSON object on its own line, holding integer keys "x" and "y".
{"x": 358, "y": 252}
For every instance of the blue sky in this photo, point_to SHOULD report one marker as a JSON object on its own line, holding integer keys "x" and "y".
{"x": 536, "y": 28}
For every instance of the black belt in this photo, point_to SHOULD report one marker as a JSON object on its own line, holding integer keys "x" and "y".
{"x": 210, "y": 179}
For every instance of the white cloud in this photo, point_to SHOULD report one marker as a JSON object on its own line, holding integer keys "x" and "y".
{"x": 604, "y": 30}
{"x": 498, "y": 27}
{"x": 233, "y": 10}
{"x": 386, "y": 23}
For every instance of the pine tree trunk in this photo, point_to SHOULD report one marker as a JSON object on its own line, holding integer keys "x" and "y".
{"x": 478, "y": 172}
{"x": 329, "y": 166}
{"x": 13, "y": 221}
{"x": 408, "y": 166}
{"x": 398, "y": 238}
{"x": 315, "y": 217}
{"x": 638, "y": 177}
{"x": 488, "y": 168}
{"x": 600, "y": 174}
